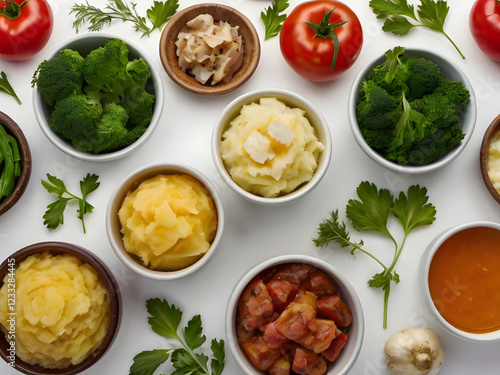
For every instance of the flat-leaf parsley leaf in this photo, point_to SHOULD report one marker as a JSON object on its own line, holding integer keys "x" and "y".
{"x": 273, "y": 18}
{"x": 165, "y": 319}
{"x": 371, "y": 213}
{"x": 54, "y": 215}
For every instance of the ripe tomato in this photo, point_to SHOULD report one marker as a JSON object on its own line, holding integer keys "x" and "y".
{"x": 484, "y": 23}
{"x": 24, "y": 28}
{"x": 311, "y": 53}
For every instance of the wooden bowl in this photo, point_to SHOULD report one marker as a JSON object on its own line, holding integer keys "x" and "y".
{"x": 22, "y": 181}
{"x": 219, "y": 12}
{"x": 106, "y": 277}
{"x": 483, "y": 156}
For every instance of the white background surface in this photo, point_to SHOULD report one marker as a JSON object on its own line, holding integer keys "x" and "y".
{"x": 254, "y": 233}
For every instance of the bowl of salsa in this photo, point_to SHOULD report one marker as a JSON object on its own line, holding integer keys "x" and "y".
{"x": 460, "y": 279}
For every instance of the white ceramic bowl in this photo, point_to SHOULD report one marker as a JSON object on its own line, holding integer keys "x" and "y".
{"x": 131, "y": 182}
{"x": 343, "y": 364}
{"x": 468, "y": 116}
{"x": 292, "y": 100}
{"x": 423, "y": 278}
{"x": 84, "y": 44}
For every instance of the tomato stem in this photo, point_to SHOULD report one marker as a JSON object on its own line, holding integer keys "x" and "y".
{"x": 12, "y": 10}
{"x": 326, "y": 30}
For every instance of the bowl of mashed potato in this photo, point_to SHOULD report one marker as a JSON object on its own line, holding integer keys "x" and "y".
{"x": 489, "y": 157}
{"x": 60, "y": 309}
{"x": 165, "y": 221}
{"x": 271, "y": 146}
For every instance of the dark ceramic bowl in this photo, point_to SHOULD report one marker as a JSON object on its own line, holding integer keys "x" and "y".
{"x": 491, "y": 133}
{"x": 114, "y": 299}
{"x": 22, "y": 181}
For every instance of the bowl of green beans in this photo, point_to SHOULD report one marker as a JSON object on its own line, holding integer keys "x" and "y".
{"x": 15, "y": 163}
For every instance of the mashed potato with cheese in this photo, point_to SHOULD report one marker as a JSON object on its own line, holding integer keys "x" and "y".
{"x": 169, "y": 221}
{"x": 270, "y": 149}
{"x": 494, "y": 161}
{"x": 62, "y": 310}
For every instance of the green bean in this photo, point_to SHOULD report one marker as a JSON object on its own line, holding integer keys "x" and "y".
{"x": 7, "y": 176}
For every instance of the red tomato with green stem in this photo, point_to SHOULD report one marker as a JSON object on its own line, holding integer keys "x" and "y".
{"x": 484, "y": 23}
{"x": 321, "y": 39}
{"x": 25, "y": 28}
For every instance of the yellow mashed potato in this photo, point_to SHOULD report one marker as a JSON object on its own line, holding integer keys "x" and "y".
{"x": 62, "y": 310}
{"x": 494, "y": 160}
{"x": 270, "y": 149}
{"x": 169, "y": 221}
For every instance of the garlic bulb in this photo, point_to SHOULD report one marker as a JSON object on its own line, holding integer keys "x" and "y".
{"x": 414, "y": 351}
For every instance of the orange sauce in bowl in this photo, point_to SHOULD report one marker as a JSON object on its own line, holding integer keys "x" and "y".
{"x": 464, "y": 280}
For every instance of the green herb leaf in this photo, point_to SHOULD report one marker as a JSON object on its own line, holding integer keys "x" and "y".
{"x": 333, "y": 230}
{"x": 219, "y": 356}
{"x": 413, "y": 210}
{"x": 192, "y": 333}
{"x": 54, "y": 216}
{"x": 430, "y": 14}
{"x": 165, "y": 320}
{"x": 161, "y": 12}
{"x": 7, "y": 88}
{"x": 433, "y": 14}
{"x": 147, "y": 362}
{"x": 372, "y": 211}
{"x": 273, "y": 18}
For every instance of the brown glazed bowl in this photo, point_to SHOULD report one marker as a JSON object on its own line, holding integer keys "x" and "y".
{"x": 490, "y": 133}
{"x": 219, "y": 12}
{"x": 106, "y": 277}
{"x": 22, "y": 181}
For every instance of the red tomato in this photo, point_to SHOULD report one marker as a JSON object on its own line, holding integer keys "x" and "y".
{"x": 25, "y": 30}
{"x": 484, "y": 23}
{"x": 311, "y": 56}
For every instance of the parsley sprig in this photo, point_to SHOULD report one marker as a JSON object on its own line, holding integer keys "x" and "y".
{"x": 371, "y": 213}
{"x": 400, "y": 17}
{"x": 273, "y": 18}
{"x": 159, "y": 13}
{"x": 165, "y": 319}
{"x": 54, "y": 215}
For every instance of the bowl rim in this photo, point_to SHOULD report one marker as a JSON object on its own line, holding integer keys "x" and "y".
{"x": 106, "y": 276}
{"x": 6, "y": 203}
{"x": 132, "y": 180}
{"x": 379, "y": 159}
{"x": 483, "y": 157}
{"x": 315, "y": 117}
{"x": 65, "y": 146}
{"x": 167, "y": 44}
{"x": 423, "y": 275}
{"x": 339, "y": 279}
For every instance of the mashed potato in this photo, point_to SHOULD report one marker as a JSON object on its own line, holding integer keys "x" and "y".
{"x": 62, "y": 310}
{"x": 494, "y": 160}
{"x": 169, "y": 221}
{"x": 270, "y": 149}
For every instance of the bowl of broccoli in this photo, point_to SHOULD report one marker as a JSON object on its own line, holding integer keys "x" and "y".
{"x": 412, "y": 111}
{"x": 97, "y": 97}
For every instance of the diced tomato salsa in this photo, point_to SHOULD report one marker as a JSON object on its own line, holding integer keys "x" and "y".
{"x": 291, "y": 320}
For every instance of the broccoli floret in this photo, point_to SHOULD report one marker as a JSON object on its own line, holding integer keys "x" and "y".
{"x": 427, "y": 106}
{"x": 376, "y": 112}
{"x": 105, "y": 68}
{"x": 90, "y": 126}
{"x": 139, "y": 70}
{"x": 424, "y": 77}
{"x": 139, "y": 106}
{"x": 60, "y": 76}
